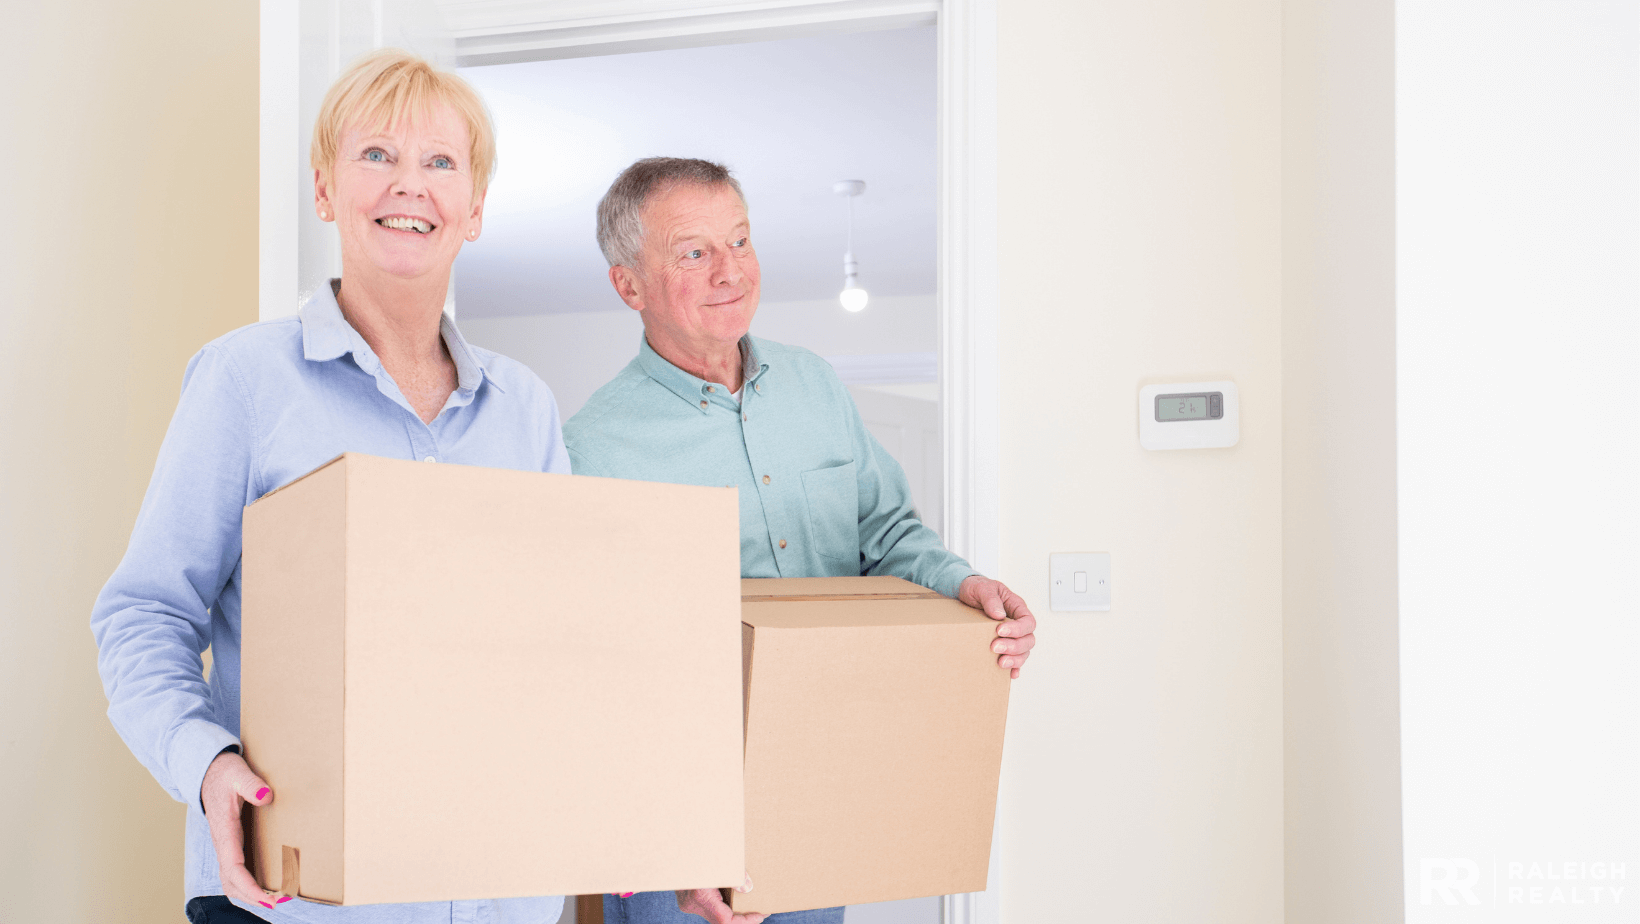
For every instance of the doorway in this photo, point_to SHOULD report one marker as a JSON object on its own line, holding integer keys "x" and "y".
{"x": 790, "y": 117}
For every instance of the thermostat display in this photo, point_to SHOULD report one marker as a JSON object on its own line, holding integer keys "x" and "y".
{"x": 1201, "y": 406}
{"x": 1189, "y": 415}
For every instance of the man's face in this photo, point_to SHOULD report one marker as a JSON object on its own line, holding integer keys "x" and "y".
{"x": 697, "y": 285}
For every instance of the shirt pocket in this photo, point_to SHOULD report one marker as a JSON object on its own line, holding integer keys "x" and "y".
{"x": 834, "y": 518}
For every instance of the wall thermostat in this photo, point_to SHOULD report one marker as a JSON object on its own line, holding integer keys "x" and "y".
{"x": 1189, "y": 415}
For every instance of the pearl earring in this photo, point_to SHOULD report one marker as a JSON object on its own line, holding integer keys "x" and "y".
{"x": 324, "y": 216}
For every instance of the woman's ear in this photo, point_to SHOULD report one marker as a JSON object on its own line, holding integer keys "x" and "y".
{"x": 475, "y": 221}
{"x": 321, "y": 197}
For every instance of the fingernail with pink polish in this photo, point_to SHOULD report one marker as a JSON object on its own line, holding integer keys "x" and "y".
{"x": 264, "y": 904}
{"x": 282, "y": 900}
{"x": 261, "y": 794}
{"x": 628, "y": 894}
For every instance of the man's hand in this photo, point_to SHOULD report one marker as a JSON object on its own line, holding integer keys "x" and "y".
{"x": 1016, "y": 627}
{"x": 229, "y": 784}
{"x": 710, "y": 904}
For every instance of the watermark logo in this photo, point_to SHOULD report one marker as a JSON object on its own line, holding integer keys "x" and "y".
{"x": 1458, "y": 881}
{"x": 1453, "y": 879}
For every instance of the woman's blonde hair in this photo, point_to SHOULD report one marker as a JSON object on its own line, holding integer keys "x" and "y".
{"x": 384, "y": 87}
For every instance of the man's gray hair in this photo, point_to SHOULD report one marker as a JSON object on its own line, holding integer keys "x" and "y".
{"x": 620, "y": 211}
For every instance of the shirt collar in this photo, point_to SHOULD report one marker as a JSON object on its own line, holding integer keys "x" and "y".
{"x": 326, "y": 335}
{"x": 693, "y": 388}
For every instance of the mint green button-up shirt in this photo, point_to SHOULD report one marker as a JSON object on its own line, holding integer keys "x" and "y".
{"x": 819, "y": 496}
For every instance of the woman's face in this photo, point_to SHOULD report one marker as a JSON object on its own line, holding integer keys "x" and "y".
{"x": 402, "y": 199}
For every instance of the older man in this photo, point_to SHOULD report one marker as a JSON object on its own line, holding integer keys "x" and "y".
{"x": 706, "y": 403}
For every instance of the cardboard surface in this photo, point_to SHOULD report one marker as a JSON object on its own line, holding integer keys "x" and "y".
{"x": 874, "y": 730}
{"x": 423, "y": 644}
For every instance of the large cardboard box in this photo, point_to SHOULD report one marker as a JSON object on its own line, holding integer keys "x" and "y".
{"x": 874, "y": 723}
{"x": 469, "y": 683}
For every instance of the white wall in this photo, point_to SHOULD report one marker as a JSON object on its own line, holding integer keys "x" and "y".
{"x": 1518, "y": 134}
{"x": 1140, "y": 241}
{"x": 576, "y": 353}
{"x": 1341, "y": 756}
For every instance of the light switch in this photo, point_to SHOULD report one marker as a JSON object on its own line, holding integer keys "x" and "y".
{"x": 1079, "y": 582}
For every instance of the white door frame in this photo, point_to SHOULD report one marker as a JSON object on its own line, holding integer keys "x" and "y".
{"x": 501, "y": 31}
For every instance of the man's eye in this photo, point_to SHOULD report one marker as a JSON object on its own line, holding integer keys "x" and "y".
{"x": 443, "y": 163}
{"x": 375, "y": 155}
{"x": 695, "y": 254}
{"x": 739, "y": 243}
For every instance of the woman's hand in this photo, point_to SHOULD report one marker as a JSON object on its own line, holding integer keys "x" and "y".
{"x": 710, "y": 904}
{"x": 229, "y": 784}
{"x": 1016, "y": 627}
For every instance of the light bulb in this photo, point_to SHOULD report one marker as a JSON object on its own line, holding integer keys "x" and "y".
{"x": 854, "y": 298}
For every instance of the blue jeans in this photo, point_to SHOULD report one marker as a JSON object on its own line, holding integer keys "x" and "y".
{"x": 662, "y": 908}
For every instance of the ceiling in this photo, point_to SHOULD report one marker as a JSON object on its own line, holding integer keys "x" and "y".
{"x": 789, "y": 118}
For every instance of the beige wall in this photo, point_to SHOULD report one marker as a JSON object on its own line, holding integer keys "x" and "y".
{"x": 1343, "y": 767}
{"x": 1140, "y": 242}
{"x": 131, "y": 140}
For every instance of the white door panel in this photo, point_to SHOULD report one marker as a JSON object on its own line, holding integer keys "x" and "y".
{"x": 909, "y": 429}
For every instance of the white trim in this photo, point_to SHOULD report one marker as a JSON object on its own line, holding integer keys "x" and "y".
{"x": 509, "y": 31}
{"x": 968, "y": 277}
{"x": 969, "y": 291}
{"x": 279, "y": 129}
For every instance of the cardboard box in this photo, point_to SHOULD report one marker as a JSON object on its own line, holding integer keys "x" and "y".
{"x": 475, "y": 683}
{"x": 874, "y": 720}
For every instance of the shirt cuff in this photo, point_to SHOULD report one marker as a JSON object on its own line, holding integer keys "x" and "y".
{"x": 950, "y": 582}
{"x": 193, "y": 748}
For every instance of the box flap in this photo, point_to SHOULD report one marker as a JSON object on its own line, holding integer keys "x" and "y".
{"x": 767, "y": 588}
{"x": 858, "y": 612}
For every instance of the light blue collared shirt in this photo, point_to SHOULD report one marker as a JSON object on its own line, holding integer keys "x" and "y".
{"x": 260, "y": 407}
{"x": 819, "y": 497}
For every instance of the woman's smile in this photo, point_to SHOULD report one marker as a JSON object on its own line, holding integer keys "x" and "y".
{"x": 406, "y": 223}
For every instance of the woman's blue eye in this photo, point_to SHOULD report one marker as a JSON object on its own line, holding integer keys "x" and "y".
{"x": 694, "y": 254}
{"x": 375, "y": 156}
{"x": 443, "y": 163}
{"x": 739, "y": 243}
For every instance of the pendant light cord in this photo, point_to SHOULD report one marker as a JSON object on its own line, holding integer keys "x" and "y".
{"x": 850, "y": 226}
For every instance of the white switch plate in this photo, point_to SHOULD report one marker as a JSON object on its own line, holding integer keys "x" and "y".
{"x": 1063, "y": 568}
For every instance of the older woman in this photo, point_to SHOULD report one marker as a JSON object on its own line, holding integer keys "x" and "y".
{"x": 401, "y": 156}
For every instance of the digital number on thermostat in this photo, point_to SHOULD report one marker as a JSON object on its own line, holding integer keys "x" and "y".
{"x": 1207, "y": 405}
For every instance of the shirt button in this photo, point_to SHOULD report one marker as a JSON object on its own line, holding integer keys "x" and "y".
{"x": 703, "y": 402}
{"x": 782, "y": 543}
{"x": 757, "y": 387}
{"x": 765, "y": 479}
{"x": 429, "y": 459}
{"x": 711, "y": 388}
{"x": 744, "y": 417}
